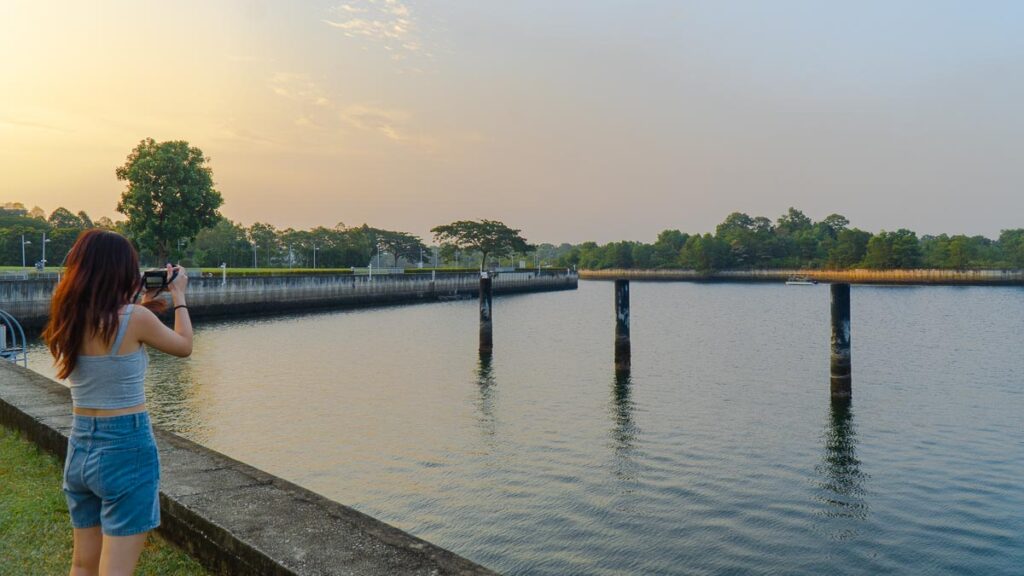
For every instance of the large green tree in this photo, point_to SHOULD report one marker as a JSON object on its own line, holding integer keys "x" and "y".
{"x": 263, "y": 238}
{"x": 170, "y": 194}
{"x": 225, "y": 242}
{"x": 1011, "y": 245}
{"x": 64, "y": 218}
{"x": 899, "y": 249}
{"x": 484, "y": 236}
{"x": 400, "y": 244}
{"x": 849, "y": 248}
{"x": 668, "y": 247}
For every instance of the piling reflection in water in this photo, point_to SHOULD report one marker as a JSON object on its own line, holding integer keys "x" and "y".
{"x": 625, "y": 432}
{"x": 840, "y": 480}
{"x": 485, "y": 383}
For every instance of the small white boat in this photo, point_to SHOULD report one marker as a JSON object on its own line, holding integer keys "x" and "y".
{"x": 800, "y": 281}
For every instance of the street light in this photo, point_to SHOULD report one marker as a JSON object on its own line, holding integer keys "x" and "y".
{"x": 23, "y": 242}
{"x": 45, "y": 240}
{"x": 314, "y": 255}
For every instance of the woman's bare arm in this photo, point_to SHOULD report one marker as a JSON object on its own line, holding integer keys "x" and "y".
{"x": 153, "y": 332}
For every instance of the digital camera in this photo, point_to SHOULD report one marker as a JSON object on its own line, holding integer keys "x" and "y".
{"x": 156, "y": 279}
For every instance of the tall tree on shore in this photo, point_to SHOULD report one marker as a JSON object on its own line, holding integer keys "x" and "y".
{"x": 64, "y": 218}
{"x": 264, "y": 236}
{"x": 484, "y": 236}
{"x": 400, "y": 244}
{"x": 170, "y": 194}
{"x": 1011, "y": 244}
{"x": 849, "y": 248}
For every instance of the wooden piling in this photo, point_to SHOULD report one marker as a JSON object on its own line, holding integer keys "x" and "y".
{"x": 622, "y": 347}
{"x": 840, "y": 366}
{"x": 486, "y": 336}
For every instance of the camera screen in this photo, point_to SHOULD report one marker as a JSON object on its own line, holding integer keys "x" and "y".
{"x": 154, "y": 280}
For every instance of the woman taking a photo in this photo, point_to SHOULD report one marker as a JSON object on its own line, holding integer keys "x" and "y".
{"x": 96, "y": 334}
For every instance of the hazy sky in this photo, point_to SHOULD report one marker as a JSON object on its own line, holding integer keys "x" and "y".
{"x": 570, "y": 119}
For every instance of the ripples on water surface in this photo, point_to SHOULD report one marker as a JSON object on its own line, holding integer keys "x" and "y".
{"x": 720, "y": 453}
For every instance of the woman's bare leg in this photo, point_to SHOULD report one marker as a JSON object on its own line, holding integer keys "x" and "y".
{"x": 85, "y": 560}
{"x": 121, "y": 554}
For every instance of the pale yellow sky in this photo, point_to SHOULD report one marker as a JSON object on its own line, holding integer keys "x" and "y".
{"x": 573, "y": 120}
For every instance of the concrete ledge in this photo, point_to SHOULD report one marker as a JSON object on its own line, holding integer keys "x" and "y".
{"x": 234, "y": 518}
{"x": 859, "y": 276}
{"x": 29, "y": 300}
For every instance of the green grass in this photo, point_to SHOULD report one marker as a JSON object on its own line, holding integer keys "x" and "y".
{"x": 35, "y": 531}
{"x": 30, "y": 268}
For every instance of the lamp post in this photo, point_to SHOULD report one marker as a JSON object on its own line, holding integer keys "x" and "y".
{"x": 45, "y": 240}
{"x": 254, "y": 255}
{"x": 23, "y": 242}
{"x": 314, "y": 255}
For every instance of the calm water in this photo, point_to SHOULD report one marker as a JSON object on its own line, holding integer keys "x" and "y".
{"x": 719, "y": 454}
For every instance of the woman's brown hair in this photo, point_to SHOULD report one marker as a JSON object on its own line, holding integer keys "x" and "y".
{"x": 101, "y": 275}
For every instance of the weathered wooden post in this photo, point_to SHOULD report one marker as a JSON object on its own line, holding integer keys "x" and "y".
{"x": 486, "y": 338}
{"x": 622, "y": 348}
{"x": 841, "y": 369}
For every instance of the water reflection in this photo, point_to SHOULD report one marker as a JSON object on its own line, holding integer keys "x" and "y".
{"x": 840, "y": 480}
{"x": 487, "y": 390}
{"x": 625, "y": 432}
{"x": 172, "y": 386}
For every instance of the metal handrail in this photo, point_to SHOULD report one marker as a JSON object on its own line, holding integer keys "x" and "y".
{"x": 14, "y": 352}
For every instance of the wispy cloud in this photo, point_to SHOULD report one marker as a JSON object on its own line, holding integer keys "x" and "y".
{"x": 381, "y": 120}
{"x": 351, "y": 9}
{"x": 12, "y": 123}
{"x": 320, "y": 111}
{"x": 234, "y": 134}
{"x": 298, "y": 87}
{"x": 387, "y": 23}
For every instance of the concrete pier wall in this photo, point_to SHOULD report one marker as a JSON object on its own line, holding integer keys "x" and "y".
{"x": 236, "y": 519}
{"x": 860, "y": 276}
{"x": 29, "y": 300}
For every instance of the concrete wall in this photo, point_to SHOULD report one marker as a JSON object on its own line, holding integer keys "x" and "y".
{"x": 29, "y": 300}
{"x": 234, "y": 518}
{"x": 950, "y": 277}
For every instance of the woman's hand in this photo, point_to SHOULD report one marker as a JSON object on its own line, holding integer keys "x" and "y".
{"x": 180, "y": 281}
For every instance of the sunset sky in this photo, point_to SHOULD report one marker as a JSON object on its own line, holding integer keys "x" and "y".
{"x": 571, "y": 119}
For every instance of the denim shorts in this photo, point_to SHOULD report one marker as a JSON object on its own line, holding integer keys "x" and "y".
{"x": 112, "y": 474}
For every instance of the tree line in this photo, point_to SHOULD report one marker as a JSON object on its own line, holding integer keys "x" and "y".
{"x": 262, "y": 245}
{"x": 171, "y": 209}
{"x": 796, "y": 241}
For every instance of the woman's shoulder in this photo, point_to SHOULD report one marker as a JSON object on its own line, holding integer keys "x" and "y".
{"x": 138, "y": 310}
{"x": 141, "y": 316}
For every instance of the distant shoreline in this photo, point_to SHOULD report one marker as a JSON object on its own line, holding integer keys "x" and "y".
{"x": 859, "y": 276}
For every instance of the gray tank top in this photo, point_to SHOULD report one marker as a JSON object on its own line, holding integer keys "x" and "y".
{"x": 111, "y": 381}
